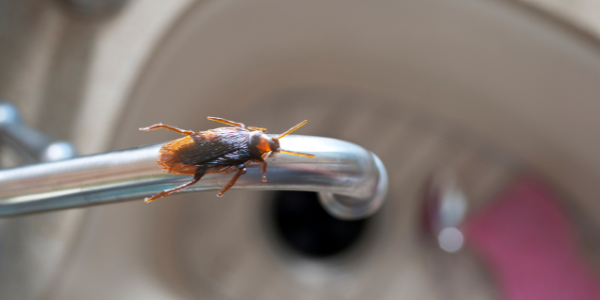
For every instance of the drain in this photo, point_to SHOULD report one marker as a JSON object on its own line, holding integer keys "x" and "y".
{"x": 302, "y": 224}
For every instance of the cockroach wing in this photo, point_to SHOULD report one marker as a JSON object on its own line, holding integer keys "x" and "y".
{"x": 218, "y": 150}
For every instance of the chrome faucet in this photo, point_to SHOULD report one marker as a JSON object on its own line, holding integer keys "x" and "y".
{"x": 352, "y": 182}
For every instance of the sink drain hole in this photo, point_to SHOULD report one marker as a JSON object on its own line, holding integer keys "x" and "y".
{"x": 304, "y": 226}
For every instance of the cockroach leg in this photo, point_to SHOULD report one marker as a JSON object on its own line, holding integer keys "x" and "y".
{"x": 161, "y": 125}
{"x": 264, "y": 171}
{"x": 263, "y": 130}
{"x": 242, "y": 171}
{"x": 232, "y": 123}
{"x": 197, "y": 176}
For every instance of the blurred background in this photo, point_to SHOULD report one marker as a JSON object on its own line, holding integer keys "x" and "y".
{"x": 485, "y": 113}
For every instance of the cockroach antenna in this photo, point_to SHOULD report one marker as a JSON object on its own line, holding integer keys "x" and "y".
{"x": 288, "y": 132}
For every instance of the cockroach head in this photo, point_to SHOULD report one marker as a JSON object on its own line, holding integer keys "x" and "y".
{"x": 274, "y": 145}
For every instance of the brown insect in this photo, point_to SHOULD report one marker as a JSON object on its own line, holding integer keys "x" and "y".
{"x": 219, "y": 150}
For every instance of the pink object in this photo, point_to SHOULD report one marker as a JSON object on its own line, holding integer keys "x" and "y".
{"x": 529, "y": 246}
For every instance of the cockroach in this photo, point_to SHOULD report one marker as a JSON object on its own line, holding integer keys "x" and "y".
{"x": 219, "y": 150}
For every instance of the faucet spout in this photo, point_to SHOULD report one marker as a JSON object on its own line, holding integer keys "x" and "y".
{"x": 352, "y": 181}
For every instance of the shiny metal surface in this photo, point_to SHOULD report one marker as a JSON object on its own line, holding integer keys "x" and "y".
{"x": 352, "y": 179}
{"x": 31, "y": 145}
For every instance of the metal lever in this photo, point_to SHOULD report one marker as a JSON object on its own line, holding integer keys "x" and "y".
{"x": 31, "y": 146}
{"x": 352, "y": 181}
